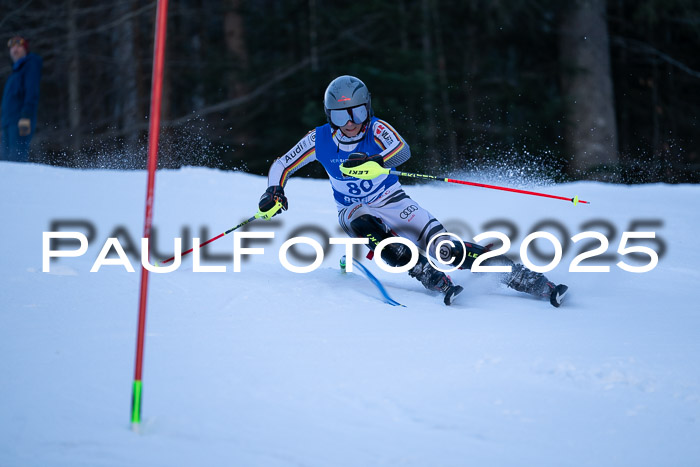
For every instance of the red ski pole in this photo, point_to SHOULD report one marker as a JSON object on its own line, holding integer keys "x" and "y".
{"x": 371, "y": 169}
{"x": 258, "y": 215}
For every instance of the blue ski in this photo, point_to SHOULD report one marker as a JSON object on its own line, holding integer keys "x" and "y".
{"x": 373, "y": 280}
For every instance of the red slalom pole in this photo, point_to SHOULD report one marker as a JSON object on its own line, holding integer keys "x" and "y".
{"x": 153, "y": 136}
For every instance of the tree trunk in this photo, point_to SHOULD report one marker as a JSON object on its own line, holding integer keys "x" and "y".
{"x": 403, "y": 26}
{"x": 452, "y": 158}
{"x": 428, "y": 100}
{"x": 73, "y": 77}
{"x": 313, "y": 34}
{"x": 127, "y": 112}
{"x": 591, "y": 135}
{"x": 237, "y": 54}
{"x": 471, "y": 68}
{"x": 234, "y": 30}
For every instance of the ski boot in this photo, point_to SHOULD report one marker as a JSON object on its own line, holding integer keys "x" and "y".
{"x": 435, "y": 280}
{"x": 556, "y": 297}
{"x": 535, "y": 283}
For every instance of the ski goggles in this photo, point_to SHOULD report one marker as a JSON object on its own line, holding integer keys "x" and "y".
{"x": 16, "y": 41}
{"x": 341, "y": 116}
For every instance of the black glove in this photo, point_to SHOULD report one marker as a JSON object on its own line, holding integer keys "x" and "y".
{"x": 359, "y": 158}
{"x": 270, "y": 197}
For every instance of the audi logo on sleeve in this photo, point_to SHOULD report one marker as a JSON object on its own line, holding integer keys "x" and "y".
{"x": 407, "y": 212}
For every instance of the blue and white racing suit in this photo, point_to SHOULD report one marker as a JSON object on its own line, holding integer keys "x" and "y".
{"x": 382, "y": 197}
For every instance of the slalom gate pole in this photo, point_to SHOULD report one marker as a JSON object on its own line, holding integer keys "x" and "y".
{"x": 259, "y": 215}
{"x": 371, "y": 169}
{"x": 153, "y": 136}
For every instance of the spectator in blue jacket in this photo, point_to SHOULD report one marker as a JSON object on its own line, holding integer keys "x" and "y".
{"x": 19, "y": 102}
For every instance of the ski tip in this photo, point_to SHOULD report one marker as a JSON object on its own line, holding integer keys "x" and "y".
{"x": 452, "y": 293}
{"x": 557, "y": 296}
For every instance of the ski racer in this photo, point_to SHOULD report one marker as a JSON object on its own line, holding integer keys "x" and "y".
{"x": 379, "y": 208}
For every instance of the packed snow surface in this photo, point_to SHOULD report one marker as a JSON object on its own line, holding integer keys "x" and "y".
{"x": 267, "y": 367}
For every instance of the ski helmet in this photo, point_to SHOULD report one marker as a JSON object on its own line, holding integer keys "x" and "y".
{"x": 349, "y": 95}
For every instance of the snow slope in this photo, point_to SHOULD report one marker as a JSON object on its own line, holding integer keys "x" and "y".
{"x": 270, "y": 368}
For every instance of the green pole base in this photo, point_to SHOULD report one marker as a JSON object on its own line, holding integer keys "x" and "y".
{"x": 136, "y": 404}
